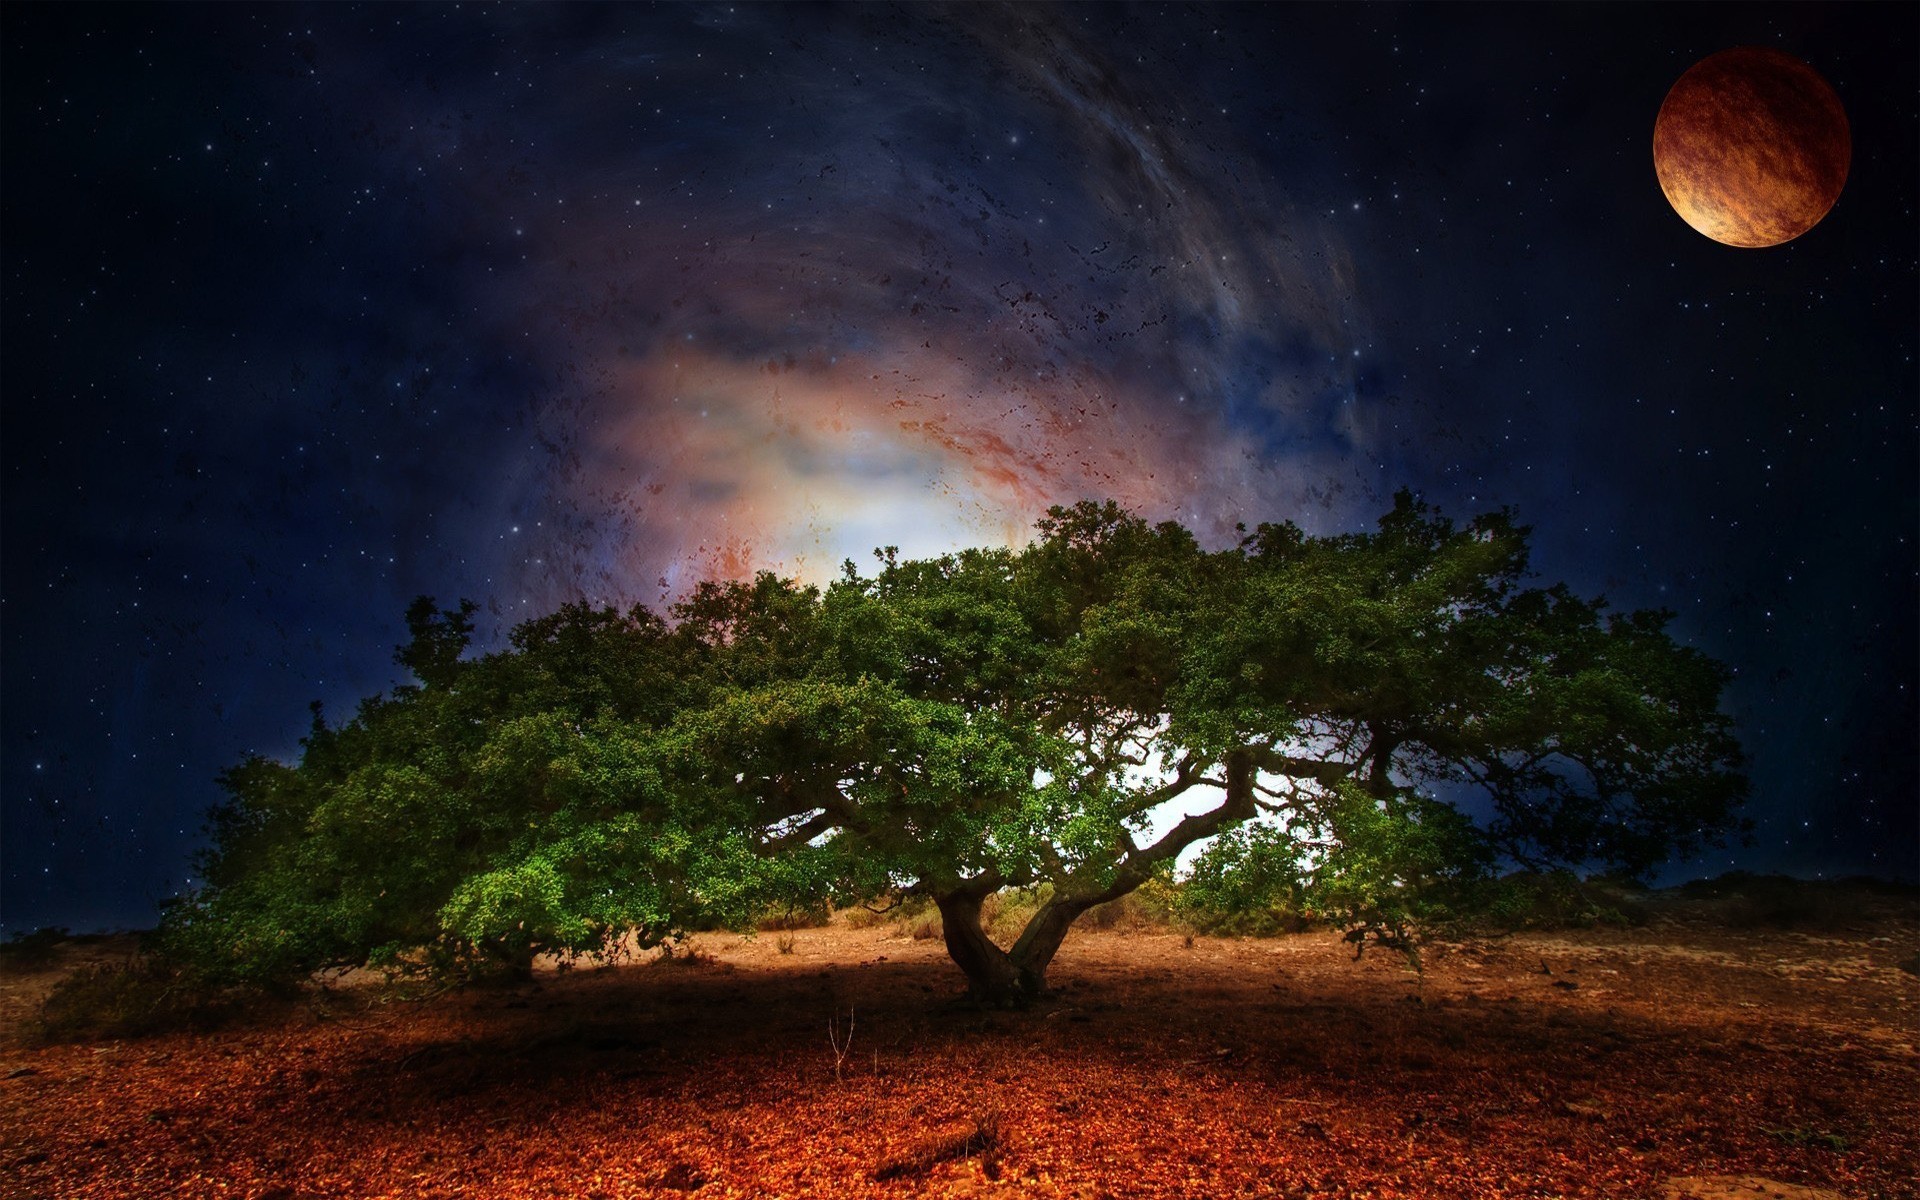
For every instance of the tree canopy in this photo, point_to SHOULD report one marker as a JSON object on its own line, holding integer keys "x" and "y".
{"x": 1380, "y": 718}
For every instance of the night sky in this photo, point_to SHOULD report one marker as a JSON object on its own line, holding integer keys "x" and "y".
{"x": 309, "y": 310}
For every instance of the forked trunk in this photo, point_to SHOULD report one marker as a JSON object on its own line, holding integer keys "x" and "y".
{"x": 1012, "y": 978}
{"x": 1041, "y": 939}
{"x": 1005, "y": 978}
{"x": 992, "y": 976}
{"x": 502, "y": 964}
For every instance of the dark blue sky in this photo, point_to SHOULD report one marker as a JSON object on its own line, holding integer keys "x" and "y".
{"x": 307, "y": 310}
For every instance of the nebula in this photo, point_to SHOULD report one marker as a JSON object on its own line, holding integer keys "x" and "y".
{"x": 934, "y": 311}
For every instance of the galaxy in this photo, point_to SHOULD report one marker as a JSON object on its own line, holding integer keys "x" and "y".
{"x": 311, "y": 309}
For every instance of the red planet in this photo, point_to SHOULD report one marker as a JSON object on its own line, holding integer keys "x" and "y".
{"x": 1751, "y": 147}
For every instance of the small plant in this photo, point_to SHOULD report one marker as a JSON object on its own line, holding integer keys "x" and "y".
{"x": 1820, "y": 1139}
{"x": 784, "y": 943}
{"x": 841, "y": 1047}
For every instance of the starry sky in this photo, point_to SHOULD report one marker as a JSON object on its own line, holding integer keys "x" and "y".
{"x": 307, "y": 310}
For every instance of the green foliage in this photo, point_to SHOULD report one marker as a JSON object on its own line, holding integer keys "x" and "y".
{"x": 439, "y": 638}
{"x": 1249, "y": 881}
{"x": 1382, "y": 867}
{"x": 1398, "y": 863}
{"x": 985, "y": 722}
{"x": 1554, "y": 900}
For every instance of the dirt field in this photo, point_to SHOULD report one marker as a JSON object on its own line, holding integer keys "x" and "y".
{"x": 1620, "y": 1063}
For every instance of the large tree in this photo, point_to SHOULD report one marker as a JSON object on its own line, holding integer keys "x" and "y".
{"x": 1382, "y": 717}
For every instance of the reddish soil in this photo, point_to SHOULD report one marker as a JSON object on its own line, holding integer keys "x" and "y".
{"x": 1621, "y": 1063}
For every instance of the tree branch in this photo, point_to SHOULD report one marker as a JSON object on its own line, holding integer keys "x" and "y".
{"x": 802, "y": 833}
{"x": 1326, "y": 773}
{"x": 1184, "y": 777}
{"x": 1136, "y": 867}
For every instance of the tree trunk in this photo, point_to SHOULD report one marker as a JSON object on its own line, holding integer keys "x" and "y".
{"x": 992, "y": 977}
{"x": 1012, "y": 979}
{"x": 501, "y": 963}
{"x": 1041, "y": 939}
{"x": 1006, "y": 978}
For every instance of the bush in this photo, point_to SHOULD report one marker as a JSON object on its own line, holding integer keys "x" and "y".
{"x": 1272, "y": 920}
{"x": 1005, "y": 913}
{"x": 916, "y": 917}
{"x": 1744, "y": 900}
{"x": 1248, "y": 883}
{"x": 138, "y": 998}
{"x": 1152, "y": 906}
{"x": 782, "y": 918}
{"x": 1556, "y": 900}
{"x": 31, "y": 951}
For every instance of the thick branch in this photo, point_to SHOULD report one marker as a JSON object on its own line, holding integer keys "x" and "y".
{"x": 985, "y": 884}
{"x": 802, "y": 833}
{"x": 1184, "y": 777}
{"x": 1379, "y": 758}
{"x": 1324, "y": 772}
{"x": 846, "y": 812}
{"x": 1138, "y": 866}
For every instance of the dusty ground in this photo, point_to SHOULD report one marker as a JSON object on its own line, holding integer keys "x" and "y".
{"x": 1623, "y": 1063}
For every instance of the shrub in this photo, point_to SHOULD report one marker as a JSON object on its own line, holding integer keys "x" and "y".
{"x": 1005, "y": 913}
{"x": 916, "y": 917}
{"x": 1555, "y": 900}
{"x": 138, "y": 998}
{"x": 1152, "y": 906}
{"x": 31, "y": 951}
{"x": 1248, "y": 883}
{"x": 784, "y": 917}
{"x": 1271, "y": 920}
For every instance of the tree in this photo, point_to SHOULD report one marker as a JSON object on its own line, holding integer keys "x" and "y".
{"x": 1378, "y": 720}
